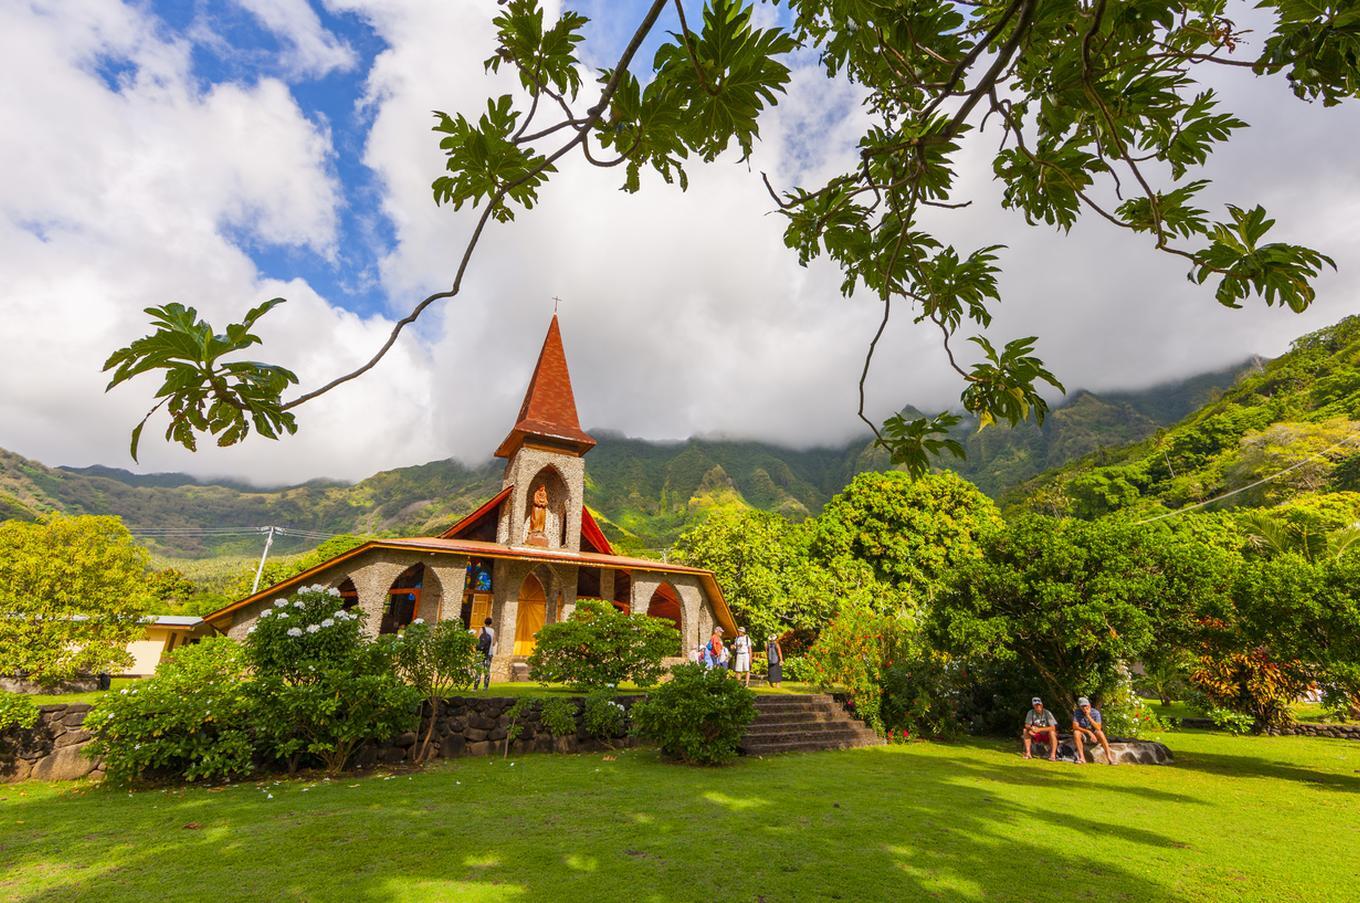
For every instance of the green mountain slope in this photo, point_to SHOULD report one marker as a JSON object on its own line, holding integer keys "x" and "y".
{"x": 1287, "y": 433}
{"x": 645, "y": 493}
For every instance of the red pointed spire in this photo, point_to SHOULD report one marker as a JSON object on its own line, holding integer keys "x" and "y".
{"x": 549, "y": 409}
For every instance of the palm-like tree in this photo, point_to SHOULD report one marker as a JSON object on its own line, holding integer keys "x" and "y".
{"x": 1274, "y": 536}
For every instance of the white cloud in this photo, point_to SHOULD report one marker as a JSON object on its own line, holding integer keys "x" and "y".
{"x": 314, "y": 50}
{"x": 683, "y": 312}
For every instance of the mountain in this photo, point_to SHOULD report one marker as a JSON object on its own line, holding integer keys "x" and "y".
{"x": 645, "y": 493}
{"x": 1286, "y": 434}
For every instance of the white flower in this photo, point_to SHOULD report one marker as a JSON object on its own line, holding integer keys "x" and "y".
{"x": 333, "y": 592}
{"x": 295, "y": 631}
{"x": 283, "y": 616}
{"x": 122, "y": 692}
{"x": 280, "y": 603}
{"x": 312, "y": 628}
{"x": 328, "y": 623}
{"x": 299, "y": 604}
{"x": 266, "y": 613}
{"x": 251, "y": 630}
{"x": 418, "y": 621}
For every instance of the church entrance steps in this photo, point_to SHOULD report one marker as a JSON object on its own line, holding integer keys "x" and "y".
{"x": 798, "y": 723}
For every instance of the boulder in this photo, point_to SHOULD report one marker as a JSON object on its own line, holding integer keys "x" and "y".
{"x": 484, "y": 748}
{"x": 1132, "y": 752}
{"x": 65, "y": 764}
{"x": 73, "y": 738}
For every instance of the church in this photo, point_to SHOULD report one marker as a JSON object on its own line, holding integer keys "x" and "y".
{"x": 523, "y": 559}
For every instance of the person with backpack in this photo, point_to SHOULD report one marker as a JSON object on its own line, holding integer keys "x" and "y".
{"x": 486, "y": 646}
{"x": 714, "y": 654}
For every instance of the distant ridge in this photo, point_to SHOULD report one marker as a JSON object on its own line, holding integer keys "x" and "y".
{"x": 645, "y": 493}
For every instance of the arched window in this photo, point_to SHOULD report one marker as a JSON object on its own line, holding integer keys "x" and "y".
{"x": 349, "y": 595}
{"x": 665, "y": 604}
{"x": 554, "y": 531}
{"x": 403, "y": 598}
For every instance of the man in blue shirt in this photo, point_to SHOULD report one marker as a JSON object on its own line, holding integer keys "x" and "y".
{"x": 1042, "y": 727}
{"x": 1088, "y": 727}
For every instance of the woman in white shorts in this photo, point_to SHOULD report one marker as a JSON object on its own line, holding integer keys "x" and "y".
{"x": 741, "y": 646}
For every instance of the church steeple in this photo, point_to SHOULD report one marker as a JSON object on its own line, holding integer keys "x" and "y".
{"x": 548, "y": 413}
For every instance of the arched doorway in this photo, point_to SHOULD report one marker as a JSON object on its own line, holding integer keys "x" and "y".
{"x": 403, "y": 598}
{"x": 532, "y": 613}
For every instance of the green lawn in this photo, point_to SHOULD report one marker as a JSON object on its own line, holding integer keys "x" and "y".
{"x": 1259, "y": 818}
{"x": 92, "y": 696}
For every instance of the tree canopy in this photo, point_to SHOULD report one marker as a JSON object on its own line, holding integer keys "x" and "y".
{"x": 1096, "y": 107}
{"x": 72, "y": 594}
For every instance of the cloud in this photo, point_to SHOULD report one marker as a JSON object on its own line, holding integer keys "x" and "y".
{"x": 683, "y": 313}
{"x": 314, "y": 51}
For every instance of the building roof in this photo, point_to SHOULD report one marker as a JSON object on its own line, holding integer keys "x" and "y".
{"x": 549, "y": 408}
{"x": 490, "y": 508}
{"x": 173, "y": 620}
{"x": 479, "y": 549}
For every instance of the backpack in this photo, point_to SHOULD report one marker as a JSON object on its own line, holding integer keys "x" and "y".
{"x": 484, "y": 643}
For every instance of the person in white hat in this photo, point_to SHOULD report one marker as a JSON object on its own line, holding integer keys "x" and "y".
{"x": 1087, "y": 727}
{"x": 1041, "y": 725}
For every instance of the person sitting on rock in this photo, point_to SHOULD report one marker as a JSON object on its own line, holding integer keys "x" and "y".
{"x": 1087, "y": 727}
{"x": 1040, "y": 724}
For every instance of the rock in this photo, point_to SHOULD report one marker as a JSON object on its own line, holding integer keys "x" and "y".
{"x": 407, "y": 739}
{"x": 499, "y": 733}
{"x": 1132, "y": 752}
{"x": 473, "y": 735}
{"x": 74, "y": 719}
{"x": 65, "y": 764}
{"x": 18, "y": 770}
{"x": 73, "y": 738}
{"x": 391, "y": 755}
{"x": 484, "y": 748}
{"x": 453, "y": 746}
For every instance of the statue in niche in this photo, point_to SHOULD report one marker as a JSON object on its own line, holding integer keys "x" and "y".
{"x": 538, "y": 517}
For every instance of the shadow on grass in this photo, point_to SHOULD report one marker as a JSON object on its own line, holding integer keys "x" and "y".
{"x": 1258, "y": 767}
{"x": 855, "y": 825}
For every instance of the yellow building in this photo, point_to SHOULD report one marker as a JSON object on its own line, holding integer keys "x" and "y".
{"x": 163, "y": 633}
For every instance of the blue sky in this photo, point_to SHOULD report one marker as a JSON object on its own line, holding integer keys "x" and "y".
{"x": 222, "y": 152}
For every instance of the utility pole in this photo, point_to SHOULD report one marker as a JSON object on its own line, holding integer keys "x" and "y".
{"x": 259, "y": 571}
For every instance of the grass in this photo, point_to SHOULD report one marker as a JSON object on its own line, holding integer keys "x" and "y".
{"x": 1260, "y": 818}
{"x": 92, "y": 696}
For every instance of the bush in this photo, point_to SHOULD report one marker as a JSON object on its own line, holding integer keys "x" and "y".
{"x": 17, "y": 711}
{"x": 436, "y": 661}
{"x": 195, "y": 719}
{"x": 1251, "y": 684}
{"x": 324, "y": 688}
{"x": 698, "y": 716}
{"x": 558, "y": 715}
{"x": 799, "y": 668}
{"x": 1230, "y": 721}
{"x": 1126, "y": 715}
{"x": 599, "y": 646}
{"x": 919, "y": 689}
{"x": 605, "y": 717}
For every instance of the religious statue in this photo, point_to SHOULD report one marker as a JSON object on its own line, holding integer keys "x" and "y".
{"x": 538, "y": 517}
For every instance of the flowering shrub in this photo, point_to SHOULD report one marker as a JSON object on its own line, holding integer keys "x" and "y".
{"x": 604, "y": 718}
{"x": 1126, "y": 715}
{"x": 599, "y": 646}
{"x": 849, "y": 656}
{"x": 17, "y": 710}
{"x": 698, "y": 716}
{"x": 899, "y": 735}
{"x": 799, "y": 668}
{"x": 195, "y": 719}
{"x": 1251, "y": 683}
{"x": 324, "y": 688}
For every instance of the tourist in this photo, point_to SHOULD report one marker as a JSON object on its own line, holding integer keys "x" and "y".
{"x": 486, "y": 645}
{"x": 1087, "y": 726}
{"x": 741, "y": 646}
{"x": 714, "y": 653}
{"x": 1040, "y": 724}
{"x": 696, "y": 655}
{"x": 774, "y": 660}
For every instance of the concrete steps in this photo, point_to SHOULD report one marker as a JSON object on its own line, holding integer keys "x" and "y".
{"x": 803, "y": 722}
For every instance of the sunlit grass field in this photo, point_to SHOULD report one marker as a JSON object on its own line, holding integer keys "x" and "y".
{"x": 1236, "y": 818}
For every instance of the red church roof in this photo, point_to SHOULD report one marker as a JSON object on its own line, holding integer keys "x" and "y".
{"x": 549, "y": 409}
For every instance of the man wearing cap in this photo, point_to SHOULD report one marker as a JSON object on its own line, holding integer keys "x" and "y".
{"x": 1087, "y": 727}
{"x": 1040, "y": 723}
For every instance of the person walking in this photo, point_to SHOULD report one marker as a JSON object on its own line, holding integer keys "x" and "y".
{"x": 774, "y": 659}
{"x": 741, "y": 663}
{"x": 486, "y": 645}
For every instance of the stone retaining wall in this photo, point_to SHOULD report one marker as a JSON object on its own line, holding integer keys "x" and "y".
{"x": 1338, "y": 731}
{"x": 478, "y": 726}
{"x": 52, "y": 750}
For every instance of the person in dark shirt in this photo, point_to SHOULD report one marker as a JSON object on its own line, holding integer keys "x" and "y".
{"x": 1042, "y": 726}
{"x": 1087, "y": 727}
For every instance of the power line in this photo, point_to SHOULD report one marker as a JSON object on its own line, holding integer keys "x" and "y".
{"x": 1275, "y": 476}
